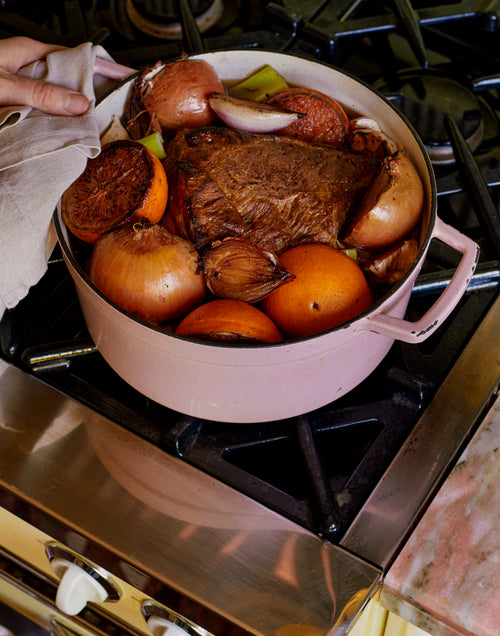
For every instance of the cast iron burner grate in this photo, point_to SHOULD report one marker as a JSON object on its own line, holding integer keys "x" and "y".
{"x": 108, "y": 22}
{"x": 323, "y": 28}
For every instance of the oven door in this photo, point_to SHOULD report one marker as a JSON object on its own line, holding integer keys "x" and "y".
{"x": 48, "y": 588}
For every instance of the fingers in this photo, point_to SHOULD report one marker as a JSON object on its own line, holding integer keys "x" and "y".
{"x": 50, "y": 98}
{"x": 18, "y": 51}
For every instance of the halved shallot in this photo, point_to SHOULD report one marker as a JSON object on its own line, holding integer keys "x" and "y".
{"x": 115, "y": 131}
{"x": 251, "y": 116}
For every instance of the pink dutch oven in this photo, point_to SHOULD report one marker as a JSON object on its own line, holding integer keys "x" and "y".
{"x": 268, "y": 382}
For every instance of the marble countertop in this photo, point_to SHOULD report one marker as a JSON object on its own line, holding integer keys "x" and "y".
{"x": 446, "y": 579}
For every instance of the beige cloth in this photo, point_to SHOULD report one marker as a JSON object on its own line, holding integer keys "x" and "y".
{"x": 40, "y": 156}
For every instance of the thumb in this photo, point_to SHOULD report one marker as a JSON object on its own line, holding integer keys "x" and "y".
{"x": 49, "y": 98}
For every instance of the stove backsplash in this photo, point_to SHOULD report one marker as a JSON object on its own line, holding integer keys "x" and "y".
{"x": 316, "y": 469}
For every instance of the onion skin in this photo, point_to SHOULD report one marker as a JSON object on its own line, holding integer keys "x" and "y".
{"x": 148, "y": 271}
{"x": 179, "y": 93}
{"x": 391, "y": 207}
{"x": 114, "y": 132}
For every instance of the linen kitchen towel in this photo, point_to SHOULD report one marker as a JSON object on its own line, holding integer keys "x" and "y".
{"x": 41, "y": 155}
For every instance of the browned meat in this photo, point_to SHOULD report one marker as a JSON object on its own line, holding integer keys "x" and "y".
{"x": 276, "y": 191}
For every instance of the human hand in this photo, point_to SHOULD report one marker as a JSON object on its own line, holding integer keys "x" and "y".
{"x": 16, "y": 90}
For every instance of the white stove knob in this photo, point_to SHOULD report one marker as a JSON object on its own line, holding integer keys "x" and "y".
{"x": 160, "y": 626}
{"x": 76, "y": 588}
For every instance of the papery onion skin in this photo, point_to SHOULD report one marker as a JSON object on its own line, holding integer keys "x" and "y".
{"x": 179, "y": 93}
{"x": 148, "y": 271}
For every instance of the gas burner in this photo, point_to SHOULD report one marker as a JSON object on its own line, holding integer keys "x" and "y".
{"x": 161, "y": 19}
{"x": 426, "y": 98}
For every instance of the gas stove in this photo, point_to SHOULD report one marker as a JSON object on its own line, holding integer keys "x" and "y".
{"x": 357, "y": 473}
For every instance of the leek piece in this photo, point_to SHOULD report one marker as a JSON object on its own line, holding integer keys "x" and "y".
{"x": 155, "y": 143}
{"x": 352, "y": 252}
{"x": 257, "y": 86}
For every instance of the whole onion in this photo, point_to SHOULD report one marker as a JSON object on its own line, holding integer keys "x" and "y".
{"x": 179, "y": 93}
{"x": 148, "y": 271}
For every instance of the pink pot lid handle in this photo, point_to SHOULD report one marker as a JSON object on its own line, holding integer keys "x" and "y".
{"x": 413, "y": 332}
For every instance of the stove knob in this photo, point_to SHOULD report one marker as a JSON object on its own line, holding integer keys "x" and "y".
{"x": 77, "y": 587}
{"x": 160, "y": 626}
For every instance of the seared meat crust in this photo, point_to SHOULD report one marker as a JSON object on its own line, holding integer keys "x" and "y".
{"x": 276, "y": 191}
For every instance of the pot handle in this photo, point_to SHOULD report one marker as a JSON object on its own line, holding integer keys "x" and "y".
{"x": 413, "y": 332}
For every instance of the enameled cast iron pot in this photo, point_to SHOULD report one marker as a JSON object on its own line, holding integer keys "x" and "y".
{"x": 268, "y": 382}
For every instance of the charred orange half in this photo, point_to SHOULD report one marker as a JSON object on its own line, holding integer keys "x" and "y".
{"x": 126, "y": 181}
{"x": 324, "y": 120}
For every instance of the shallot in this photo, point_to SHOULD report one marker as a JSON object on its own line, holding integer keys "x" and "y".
{"x": 251, "y": 116}
{"x": 240, "y": 269}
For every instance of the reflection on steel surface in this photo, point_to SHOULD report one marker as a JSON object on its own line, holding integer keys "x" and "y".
{"x": 164, "y": 517}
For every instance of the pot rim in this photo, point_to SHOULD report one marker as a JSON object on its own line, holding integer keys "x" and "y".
{"x": 360, "y": 319}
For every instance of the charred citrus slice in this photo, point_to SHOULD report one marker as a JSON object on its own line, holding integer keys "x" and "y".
{"x": 228, "y": 320}
{"x": 329, "y": 288}
{"x": 325, "y": 120}
{"x": 126, "y": 181}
